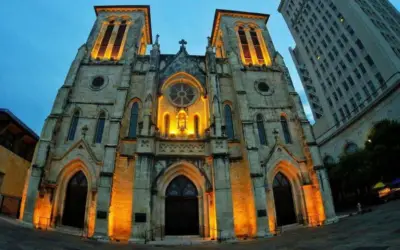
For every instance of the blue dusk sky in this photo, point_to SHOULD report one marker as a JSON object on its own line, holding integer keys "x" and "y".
{"x": 40, "y": 39}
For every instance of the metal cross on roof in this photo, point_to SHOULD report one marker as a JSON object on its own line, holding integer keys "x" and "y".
{"x": 182, "y": 42}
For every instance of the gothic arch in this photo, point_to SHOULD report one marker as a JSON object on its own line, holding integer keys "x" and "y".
{"x": 183, "y": 77}
{"x": 162, "y": 182}
{"x": 293, "y": 174}
{"x": 63, "y": 179}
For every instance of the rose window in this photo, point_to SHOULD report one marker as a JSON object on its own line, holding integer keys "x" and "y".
{"x": 182, "y": 94}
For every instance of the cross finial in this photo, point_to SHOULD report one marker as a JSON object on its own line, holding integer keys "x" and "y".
{"x": 182, "y": 43}
{"x": 157, "y": 36}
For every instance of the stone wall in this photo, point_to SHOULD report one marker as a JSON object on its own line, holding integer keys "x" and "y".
{"x": 15, "y": 169}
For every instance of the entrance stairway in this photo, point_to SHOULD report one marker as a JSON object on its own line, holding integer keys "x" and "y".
{"x": 182, "y": 240}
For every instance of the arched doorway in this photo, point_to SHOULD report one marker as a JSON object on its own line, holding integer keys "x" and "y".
{"x": 284, "y": 205}
{"x": 181, "y": 207}
{"x": 75, "y": 201}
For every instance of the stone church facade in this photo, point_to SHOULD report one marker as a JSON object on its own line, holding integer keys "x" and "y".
{"x": 216, "y": 145}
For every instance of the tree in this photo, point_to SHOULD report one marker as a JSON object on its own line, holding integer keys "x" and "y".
{"x": 383, "y": 147}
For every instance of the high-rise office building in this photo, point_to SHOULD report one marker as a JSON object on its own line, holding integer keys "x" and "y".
{"x": 348, "y": 57}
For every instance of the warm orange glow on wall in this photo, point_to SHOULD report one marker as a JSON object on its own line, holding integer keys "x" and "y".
{"x": 42, "y": 212}
{"x": 243, "y": 201}
{"x": 120, "y": 217}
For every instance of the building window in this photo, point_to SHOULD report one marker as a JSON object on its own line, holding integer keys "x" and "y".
{"x": 285, "y": 128}
{"x": 353, "y": 104}
{"x": 118, "y": 40}
{"x": 74, "y": 124}
{"x": 369, "y": 61}
{"x": 360, "y": 44}
{"x": 106, "y": 39}
{"x": 228, "y": 121}
{"x": 134, "y": 120}
{"x": 350, "y": 148}
{"x": 372, "y": 87}
{"x": 196, "y": 126}
{"x": 350, "y": 80}
{"x": 335, "y": 117}
{"x": 100, "y": 128}
{"x": 245, "y": 45}
{"x": 252, "y": 46}
{"x": 346, "y": 108}
{"x": 362, "y": 68}
{"x": 380, "y": 79}
{"x": 345, "y": 86}
{"x": 166, "y": 125}
{"x": 109, "y": 46}
{"x": 261, "y": 130}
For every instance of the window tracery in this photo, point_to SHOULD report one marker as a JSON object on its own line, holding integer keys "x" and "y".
{"x": 252, "y": 46}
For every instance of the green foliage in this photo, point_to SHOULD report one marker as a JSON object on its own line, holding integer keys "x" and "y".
{"x": 378, "y": 161}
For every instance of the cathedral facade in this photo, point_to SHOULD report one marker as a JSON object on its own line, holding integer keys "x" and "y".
{"x": 216, "y": 145}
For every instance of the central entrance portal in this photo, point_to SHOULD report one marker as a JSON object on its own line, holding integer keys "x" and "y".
{"x": 283, "y": 197}
{"x": 75, "y": 201}
{"x": 181, "y": 208}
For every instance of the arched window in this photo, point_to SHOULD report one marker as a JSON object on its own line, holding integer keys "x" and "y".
{"x": 196, "y": 126}
{"x": 253, "y": 50}
{"x": 166, "y": 124}
{"x": 245, "y": 45}
{"x": 118, "y": 40}
{"x": 328, "y": 160}
{"x": 350, "y": 148}
{"x": 72, "y": 128}
{"x": 100, "y": 128}
{"x": 106, "y": 39}
{"x": 134, "y": 120}
{"x": 228, "y": 121}
{"x": 257, "y": 46}
{"x": 261, "y": 130}
{"x": 285, "y": 128}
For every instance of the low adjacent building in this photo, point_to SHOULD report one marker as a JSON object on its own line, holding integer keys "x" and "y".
{"x": 17, "y": 145}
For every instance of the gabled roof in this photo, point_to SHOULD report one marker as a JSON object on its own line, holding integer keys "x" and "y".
{"x": 130, "y": 8}
{"x": 219, "y": 13}
{"x": 19, "y": 123}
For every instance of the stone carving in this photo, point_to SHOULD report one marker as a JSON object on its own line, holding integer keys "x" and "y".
{"x": 181, "y": 148}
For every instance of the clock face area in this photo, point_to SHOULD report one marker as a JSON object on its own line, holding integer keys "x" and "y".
{"x": 182, "y": 94}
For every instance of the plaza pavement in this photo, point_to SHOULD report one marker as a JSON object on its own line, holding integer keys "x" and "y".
{"x": 377, "y": 230}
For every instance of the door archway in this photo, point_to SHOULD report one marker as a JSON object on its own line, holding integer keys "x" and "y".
{"x": 181, "y": 207}
{"x": 284, "y": 204}
{"x": 75, "y": 201}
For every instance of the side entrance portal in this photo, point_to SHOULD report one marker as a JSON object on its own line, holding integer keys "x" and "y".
{"x": 75, "y": 201}
{"x": 284, "y": 205}
{"x": 181, "y": 207}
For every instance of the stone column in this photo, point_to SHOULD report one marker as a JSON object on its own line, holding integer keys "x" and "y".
{"x": 141, "y": 196}
{"x": 326, "y": 195}
{"x": 223, "y": 197}
{"x": 103, "y": 204}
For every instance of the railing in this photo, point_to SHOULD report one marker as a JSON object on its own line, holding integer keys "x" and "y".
{"x": 152, "y": 234}
{"x": 204, "y": 230}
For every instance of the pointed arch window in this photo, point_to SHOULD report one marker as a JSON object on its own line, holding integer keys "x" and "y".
{"x": 74, "y": 125}
{"x": 111, "y": 40}
{"x": 106, "y": 39}
{"x": 257, "y": 46}
{"x": 118, "y": 40}
{"x": 253, "y": 48}
{"x": 196, "y": 126}
{"x": 245, "y": 45}
{"x": 134, "y": 120}
{"x": 285, "y": 128}
{"x": 98, "y": 137}
{"x": 261, "y": 130}
{"x": 166, "y": 124}
{"x": 229, "y": 122}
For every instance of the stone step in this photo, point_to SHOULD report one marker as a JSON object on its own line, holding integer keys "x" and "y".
{"x": 181, "y": 240}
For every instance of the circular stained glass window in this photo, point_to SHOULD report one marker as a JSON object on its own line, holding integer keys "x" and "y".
{"x": 98, "y": 82}
{"x": 182, "y": 94}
